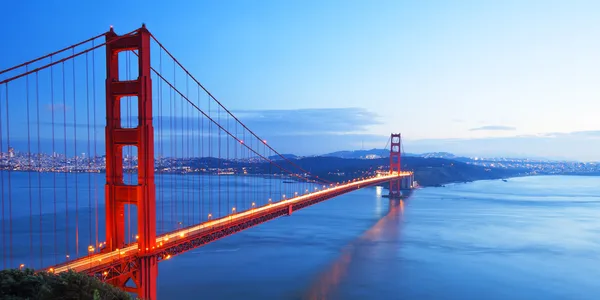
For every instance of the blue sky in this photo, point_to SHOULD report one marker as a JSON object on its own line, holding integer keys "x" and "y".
{"x": 454, "y": 76}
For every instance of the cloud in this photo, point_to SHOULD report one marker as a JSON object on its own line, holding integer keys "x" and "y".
{"x": 589, "y": 133}
{"x": 493, "y": 127}
{"x": 308, "y": 121}
{"x": 57, "y": 107}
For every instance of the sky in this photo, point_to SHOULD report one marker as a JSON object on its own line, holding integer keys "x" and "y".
{"x": 478, "y": 78}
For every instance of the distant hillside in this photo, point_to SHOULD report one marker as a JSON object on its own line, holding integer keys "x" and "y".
{"x": 428, "y": 171}
{"x": 373, "y": 153}
{"x": 288, "y": 156}
{"x": 380, "y": 153}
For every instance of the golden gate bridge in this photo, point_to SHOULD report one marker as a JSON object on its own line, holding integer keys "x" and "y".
{"x": 159, "y": 119}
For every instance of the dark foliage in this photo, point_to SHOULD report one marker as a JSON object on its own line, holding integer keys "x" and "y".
{"x": 25, "y": 284}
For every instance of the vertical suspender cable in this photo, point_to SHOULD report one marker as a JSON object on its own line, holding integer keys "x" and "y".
{"x": 2, "y": 185}
{"x": 175, "y": 155}
{"x": 89, "y": 150}
{"x": 202, "y": 159}
{"x": 160, "y": 143}
{"x": 182, "y": 159}
{"x": 190, "y": 157}
{"x": 53, "y": 160}
{"x": 64, "y": 107}
{"x": 39, "y": 169}
{"x": 75, "y": 157}
{"x": 29, "y": 168}
{"x": 162, "y": 147}
{"x": 210, "y": 159}
{"x": 173, "y": 203}
{"x": 10, "y": 240}
{"x": 187, "y": 150}
{"x": 95, "y": 140}
{"x": 228, "y": 162}
{"x": 246, "y": 161}
{"x": 236, "y": 159}
{"x": 219, "y": 162}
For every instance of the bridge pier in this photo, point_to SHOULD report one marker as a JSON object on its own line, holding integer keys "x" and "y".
{"x": 147, "y": 275}
{"x": 407, "y": 182}
{"x": 401, "y": 187}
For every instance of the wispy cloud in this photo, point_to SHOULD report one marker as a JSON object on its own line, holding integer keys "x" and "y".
{"x": 589, "y": 133}
{"x": 309, "y": 121}
{"x": 494, "y": 127}
{"x": 57, "y": 107}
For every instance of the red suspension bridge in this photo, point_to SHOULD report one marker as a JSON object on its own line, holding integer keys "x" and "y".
{"x": 59, "y": 211}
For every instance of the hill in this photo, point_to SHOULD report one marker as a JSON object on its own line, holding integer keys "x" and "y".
{"x": 428, "y": 171}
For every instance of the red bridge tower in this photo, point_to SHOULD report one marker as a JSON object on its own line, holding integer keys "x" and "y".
{"x": 118, "y": 193}
{"x": 395, "y": 166}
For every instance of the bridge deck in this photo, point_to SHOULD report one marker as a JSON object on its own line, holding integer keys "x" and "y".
{"x": 121, "y": 261}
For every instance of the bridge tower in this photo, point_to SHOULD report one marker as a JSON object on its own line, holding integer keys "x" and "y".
{"x": 395, "y": 166}
{"x": 142, "y": 280}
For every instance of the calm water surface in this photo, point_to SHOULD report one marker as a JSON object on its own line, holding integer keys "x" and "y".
{"x": 528, "y": 238}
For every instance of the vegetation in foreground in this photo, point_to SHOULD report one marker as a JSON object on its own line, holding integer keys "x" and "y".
{"x": 25, "y": 284}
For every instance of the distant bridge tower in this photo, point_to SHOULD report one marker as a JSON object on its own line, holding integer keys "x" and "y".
{"x": 142, "y": 194}
{"x": 395, "y": 166}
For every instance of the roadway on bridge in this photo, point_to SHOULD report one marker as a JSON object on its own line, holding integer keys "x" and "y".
{"x": 95, "y": 260}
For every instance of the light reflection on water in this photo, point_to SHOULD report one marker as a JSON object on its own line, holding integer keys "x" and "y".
{"x": 386, "y": 228}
